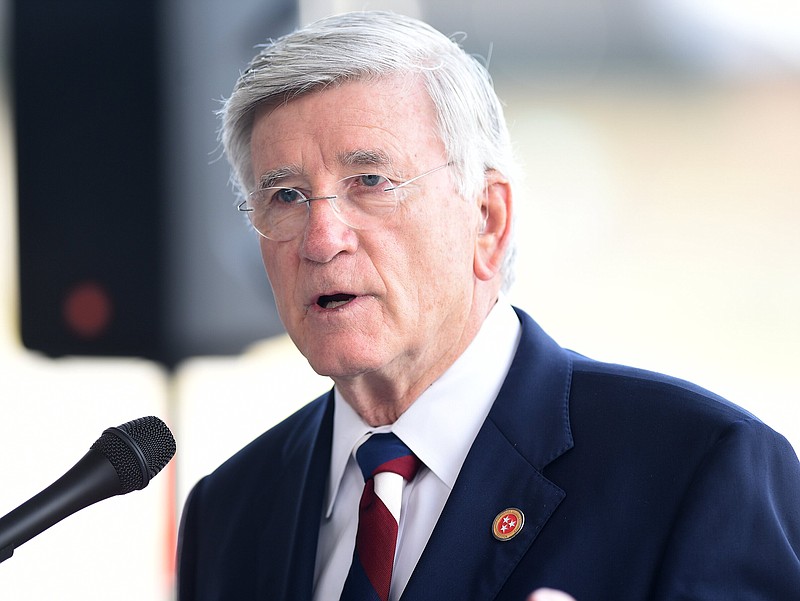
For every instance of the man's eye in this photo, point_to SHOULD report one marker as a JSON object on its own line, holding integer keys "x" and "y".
{"x": 370, "y": 180}
{"x": 288, "y": 196}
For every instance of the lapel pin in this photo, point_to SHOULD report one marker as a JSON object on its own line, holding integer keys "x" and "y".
{"x": 508, "y": 524}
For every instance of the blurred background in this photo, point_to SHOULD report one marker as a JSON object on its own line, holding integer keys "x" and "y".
{"x": 658, "y": 226}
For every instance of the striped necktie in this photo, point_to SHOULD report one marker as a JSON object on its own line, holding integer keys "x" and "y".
{"x": 386, "y": 464}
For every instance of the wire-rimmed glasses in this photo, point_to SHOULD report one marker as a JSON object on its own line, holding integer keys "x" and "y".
{"x": 360, "y": 201}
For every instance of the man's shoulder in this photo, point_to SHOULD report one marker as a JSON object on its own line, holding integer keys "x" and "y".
{"x": 614, "y": 389}
{"x": 643, "y": 391}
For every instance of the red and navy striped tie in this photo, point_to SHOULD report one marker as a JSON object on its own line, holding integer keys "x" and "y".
{"x": 386, "y": 464}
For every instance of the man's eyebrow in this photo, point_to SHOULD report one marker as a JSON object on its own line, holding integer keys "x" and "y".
{"x": 273, "y": 176}
{"x": 365, "y": 158}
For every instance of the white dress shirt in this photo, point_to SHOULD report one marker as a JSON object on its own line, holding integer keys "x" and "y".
{"x": 439, "y": 427}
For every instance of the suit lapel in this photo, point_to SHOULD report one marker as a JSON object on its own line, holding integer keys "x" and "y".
{"x": 527, "y": 428}
{"x": 296, "y": 509}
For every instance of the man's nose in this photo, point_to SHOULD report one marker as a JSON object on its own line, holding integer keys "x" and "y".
{"x": 325, "y": 234}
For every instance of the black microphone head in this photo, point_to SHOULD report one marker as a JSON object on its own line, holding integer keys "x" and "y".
{"x": 138, "y": 450}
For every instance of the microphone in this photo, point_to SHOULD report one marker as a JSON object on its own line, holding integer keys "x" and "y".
{"x": 122, "y": 460}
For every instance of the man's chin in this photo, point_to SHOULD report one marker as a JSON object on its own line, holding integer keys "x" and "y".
{"x": 340, "y": 367}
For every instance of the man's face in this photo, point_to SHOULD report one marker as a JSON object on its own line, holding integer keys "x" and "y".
{"x": 409, "y": 282}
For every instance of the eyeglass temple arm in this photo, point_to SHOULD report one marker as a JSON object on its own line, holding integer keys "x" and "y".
{"x": 413, "y": 179}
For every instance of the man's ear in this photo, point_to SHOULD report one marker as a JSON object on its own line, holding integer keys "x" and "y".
{"x": 494, "y": 233}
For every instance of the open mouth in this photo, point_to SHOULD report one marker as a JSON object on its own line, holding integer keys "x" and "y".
{"x": 334, "y": 300}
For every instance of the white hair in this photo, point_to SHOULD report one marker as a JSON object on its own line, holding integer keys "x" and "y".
{"x": 368, "y": 46}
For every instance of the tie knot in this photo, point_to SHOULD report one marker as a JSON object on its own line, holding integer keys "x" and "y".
{"x": 386, "y": 453}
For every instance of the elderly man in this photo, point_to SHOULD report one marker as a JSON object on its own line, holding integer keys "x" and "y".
{"x": 461, "y": 454}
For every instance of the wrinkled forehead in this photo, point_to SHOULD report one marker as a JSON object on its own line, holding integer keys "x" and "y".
{"x": 384, "y": 124}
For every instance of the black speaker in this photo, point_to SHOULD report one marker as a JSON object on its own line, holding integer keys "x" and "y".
{"x": 129, "y": 239}
{"x": 86, "y": 95}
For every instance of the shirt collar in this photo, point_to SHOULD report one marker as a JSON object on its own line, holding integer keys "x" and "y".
{"x": 441, "y": 425}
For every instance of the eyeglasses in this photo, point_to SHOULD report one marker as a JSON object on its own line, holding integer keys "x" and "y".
{"x": 360, "y": 201}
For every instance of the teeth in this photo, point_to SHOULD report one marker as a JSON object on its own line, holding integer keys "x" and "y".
{"x": 335, "y": 300}
{"x": 334, "y": 304}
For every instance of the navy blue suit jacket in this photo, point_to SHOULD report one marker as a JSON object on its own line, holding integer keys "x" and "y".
{"x": 633, "y": 485}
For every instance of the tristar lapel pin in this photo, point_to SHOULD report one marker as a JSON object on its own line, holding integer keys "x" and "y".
{"x": 508, "y": 524}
